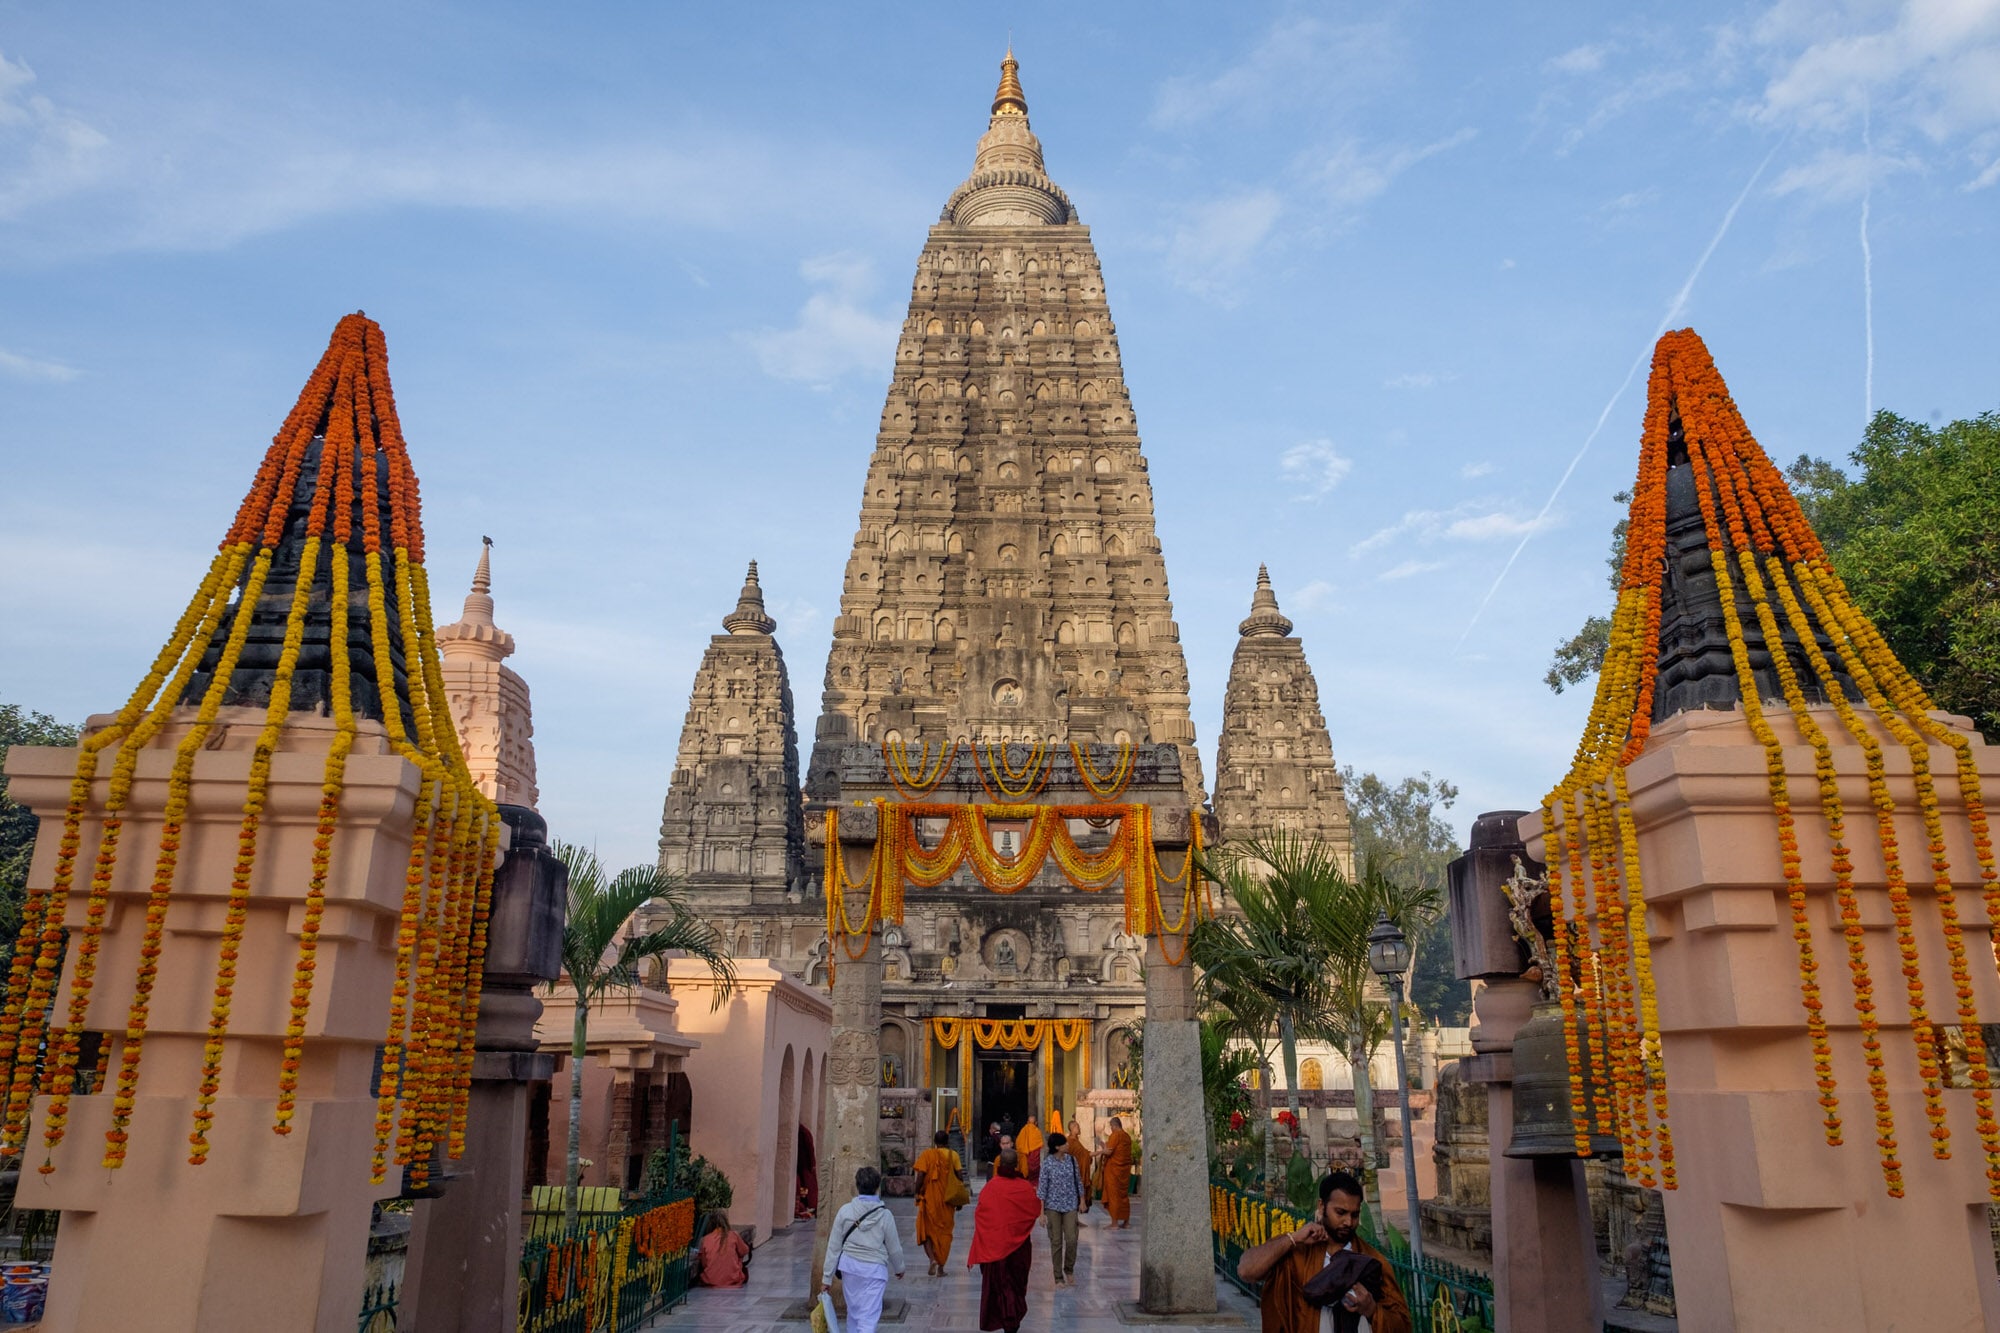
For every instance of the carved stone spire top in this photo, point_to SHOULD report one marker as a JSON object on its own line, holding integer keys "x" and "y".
{"x": 749, "y": 617}
{"x": 474, "y": 634}
{"x": 1008, "y": 186}
{"x": 1265, "y": 620}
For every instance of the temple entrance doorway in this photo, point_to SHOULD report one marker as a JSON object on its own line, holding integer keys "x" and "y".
{"x": 1002, "y": 1080}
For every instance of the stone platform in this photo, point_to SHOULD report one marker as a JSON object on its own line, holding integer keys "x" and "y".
{"x": 1107, "y": 1275}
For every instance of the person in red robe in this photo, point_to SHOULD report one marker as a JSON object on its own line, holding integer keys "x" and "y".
{"x": 808, "y": 1176}
{"x": 1003, "y": 1227}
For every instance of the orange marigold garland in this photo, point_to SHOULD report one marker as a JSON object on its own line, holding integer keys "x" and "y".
{"x": 347, "y": 412}
{"x": 1772, "y": 577}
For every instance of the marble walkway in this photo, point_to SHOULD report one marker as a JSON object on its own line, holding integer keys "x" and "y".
{"x": 1107, "y": 1272}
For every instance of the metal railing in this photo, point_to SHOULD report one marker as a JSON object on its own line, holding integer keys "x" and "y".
{"x": 1444, "y": 1298}
{"x": 609, "y": 1271}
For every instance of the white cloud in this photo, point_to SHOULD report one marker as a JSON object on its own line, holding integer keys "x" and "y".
{"x": 1579, "y": 60}
{"x": 1409, "y": 569}
{"x": 1837, "y": 174}
{"x": 20, "y": 367}
{"x": 43, "y": 148}
{"x": 1474, "y": 471}
{"x": 1350, "y": 175}
{"x": 1297, "y": 58}
{"x": 1420, "y": 379}
{"x": 1985, "y": 178}
{"x": 1215, "y": 241}
{"x": 1472, "y": 521}
{"x": 1315, "y": 596}
{"x": 835, "y": 333}
{"x": 151, "y": 172}
{"x": 1314, "y": 468}
{"x": 1625, "y": 95}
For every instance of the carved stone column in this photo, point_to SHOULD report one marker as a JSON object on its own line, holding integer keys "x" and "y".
{"x": 853, "y": 1086}
{"x": 1176, "y": 1256}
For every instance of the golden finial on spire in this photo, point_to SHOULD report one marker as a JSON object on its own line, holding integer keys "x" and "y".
{"x": 1010, "y": 100}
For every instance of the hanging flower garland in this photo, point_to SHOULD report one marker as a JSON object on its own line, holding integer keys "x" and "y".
{"x": 343, "y": 424}
{"x": 1097, "y": 784}
{"x": 1002, "y": 781}
{"x": 1771, "y": 576}
{"x": 910, "y": 785}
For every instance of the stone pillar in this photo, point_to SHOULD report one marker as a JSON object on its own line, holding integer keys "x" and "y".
{"x": 618, "y": 1136}
{"x": 465, "y": 1247}
{"x": 271, "y": 1233}
{"x": 1176, "y": 1255}
{"x": 853, "y": 1085}
{"x": 1544, "y": 1251}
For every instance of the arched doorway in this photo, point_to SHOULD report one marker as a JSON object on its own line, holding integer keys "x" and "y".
{"x": 784, "y": 1150}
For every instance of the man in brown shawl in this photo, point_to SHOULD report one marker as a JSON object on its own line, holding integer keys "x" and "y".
{"x": 1286, "y": 1263}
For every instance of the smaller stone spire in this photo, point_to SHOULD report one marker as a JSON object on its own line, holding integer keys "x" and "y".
{"x": 474, "y": 634}
{"x": 1010, "y": 100}
{"x": 1265, "y": 620}
{"x": 749, "y": 617}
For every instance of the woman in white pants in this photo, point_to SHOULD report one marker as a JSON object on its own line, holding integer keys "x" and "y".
{"x": 864, "y": 1249}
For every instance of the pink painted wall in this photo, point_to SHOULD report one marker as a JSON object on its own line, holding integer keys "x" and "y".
{"x": 756, "y": 1078}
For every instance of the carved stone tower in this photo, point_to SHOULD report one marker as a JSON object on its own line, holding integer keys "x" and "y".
{"x": 733, "y": 824}
{"x": 489, "y": 702}
{"x": 1006, "y": 581}
{"x": 1274, "y": 765}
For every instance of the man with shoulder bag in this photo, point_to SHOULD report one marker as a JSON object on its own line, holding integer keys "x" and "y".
{"x": 864, "y": 1250}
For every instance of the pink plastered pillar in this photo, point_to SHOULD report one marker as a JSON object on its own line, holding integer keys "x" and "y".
{"x": 1771, "y": 1228}
{"x": 271, "y": 1233}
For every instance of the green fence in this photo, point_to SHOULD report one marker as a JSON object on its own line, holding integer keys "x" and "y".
{"x": 608, "y": 1272}
{"x": 1444, "y": 1298}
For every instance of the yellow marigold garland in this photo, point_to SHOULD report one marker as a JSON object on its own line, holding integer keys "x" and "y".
{"x": 1099, "y": 786}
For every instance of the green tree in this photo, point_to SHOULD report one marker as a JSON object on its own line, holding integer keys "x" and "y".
{"x": 603, "y": 950}
{"x": 1581, "y": 656}
{"x": 1915, "y": 535}
{"x": 17, "y": 823}
{"x": 1399, "y": 827}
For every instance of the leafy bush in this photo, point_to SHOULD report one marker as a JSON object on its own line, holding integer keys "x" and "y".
{"x": 700, "y": 1177}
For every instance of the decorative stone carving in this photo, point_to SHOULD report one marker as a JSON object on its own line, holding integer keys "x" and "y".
{"x": 1274, "y": 766}
{"x": 489, "y": 702}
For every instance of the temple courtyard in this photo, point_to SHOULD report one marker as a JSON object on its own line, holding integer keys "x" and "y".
{"x": 1107, "y": 1272}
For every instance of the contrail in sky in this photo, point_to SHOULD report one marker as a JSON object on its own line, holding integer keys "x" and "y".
{"x": 1867, "y": 263}
{"x": 1673, "y": 312}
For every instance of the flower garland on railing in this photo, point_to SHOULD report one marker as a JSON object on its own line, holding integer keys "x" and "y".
{"x": 343, "y": 423}
{"x": 1771, "y": 573}
{"x": 900, "y": 857}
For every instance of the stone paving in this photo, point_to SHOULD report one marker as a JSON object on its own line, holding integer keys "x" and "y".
{"x": 1107, "y": 1272}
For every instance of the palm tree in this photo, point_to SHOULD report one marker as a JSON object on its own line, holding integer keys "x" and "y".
{"x": 1357, "y": 1021}
{"x": 602, "y": 952}
{"x": 1272, "y": 946}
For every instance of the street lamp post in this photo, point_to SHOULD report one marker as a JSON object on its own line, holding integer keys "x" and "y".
{"x": 1389, "y": 956}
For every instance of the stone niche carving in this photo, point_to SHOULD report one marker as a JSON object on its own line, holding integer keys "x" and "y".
{"x": 1006, "y": 952}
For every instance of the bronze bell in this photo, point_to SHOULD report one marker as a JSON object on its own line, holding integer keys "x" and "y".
{"x": 1542, "y": 1125}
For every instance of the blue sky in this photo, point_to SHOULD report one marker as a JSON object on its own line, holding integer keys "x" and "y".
{"x": 1377, "y": 270}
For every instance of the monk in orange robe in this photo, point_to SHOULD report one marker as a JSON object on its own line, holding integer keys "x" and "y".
{"x": 1082, "y": 1155}
{"x": 937, "y": 1168}
{"x": 1117, "y": 1169}
{"x": 1029, "y": 1144}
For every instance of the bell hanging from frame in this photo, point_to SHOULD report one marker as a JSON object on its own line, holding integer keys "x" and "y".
{"x": 1542, "y": 1123}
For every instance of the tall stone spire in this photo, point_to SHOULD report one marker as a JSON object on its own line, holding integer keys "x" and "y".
{"x": 1274, "y": 765}
{"x": 733, "y": 824}
{"x": 1006, "y": 579}
{"x": 489, "y": 701}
